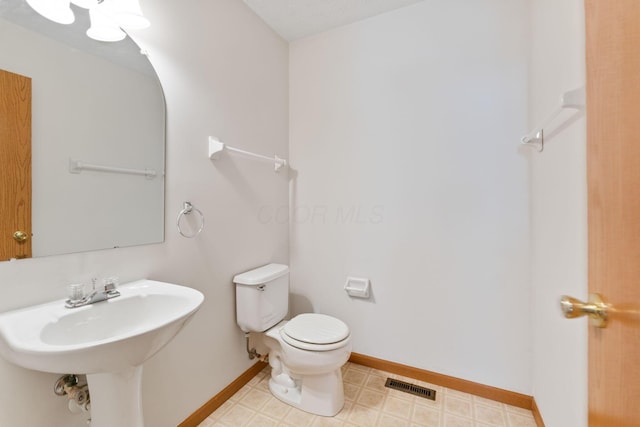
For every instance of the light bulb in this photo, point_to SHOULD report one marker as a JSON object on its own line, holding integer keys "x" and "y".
{"x": 55, "y": 10}
{"x": 103, "y": 27}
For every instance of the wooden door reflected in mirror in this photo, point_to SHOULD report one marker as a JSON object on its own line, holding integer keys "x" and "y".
{"x": 15, "y": 166}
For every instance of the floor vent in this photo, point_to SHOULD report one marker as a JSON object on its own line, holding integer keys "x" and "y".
{"x": 411, "y": 388}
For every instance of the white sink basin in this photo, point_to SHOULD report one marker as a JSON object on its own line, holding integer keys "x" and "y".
{"x": 112, "y": 337}
{"x": 102, "y": 337}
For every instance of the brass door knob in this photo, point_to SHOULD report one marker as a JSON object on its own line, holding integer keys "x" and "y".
{"x": 596, "y": 309}
{"x": 20, "y": 236}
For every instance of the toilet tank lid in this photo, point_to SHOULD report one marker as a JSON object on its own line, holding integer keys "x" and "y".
{"x": 261, "y": 275}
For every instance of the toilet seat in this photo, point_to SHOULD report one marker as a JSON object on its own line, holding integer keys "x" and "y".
{"x": 315, "y": 332}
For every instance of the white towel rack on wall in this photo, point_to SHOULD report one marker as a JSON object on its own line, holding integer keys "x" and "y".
{"x": 573, "y": 99}
{"x": 77, "y": 166}
{"x": 216, "y": 147}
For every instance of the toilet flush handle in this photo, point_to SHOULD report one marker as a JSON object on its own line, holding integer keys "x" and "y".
{"x": 261, "y": 287}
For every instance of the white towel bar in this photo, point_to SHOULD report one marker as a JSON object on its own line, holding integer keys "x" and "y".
{"x": 76, "y": 166}
{"x": 216, "y": 147}
{"x": 574, "y": 99}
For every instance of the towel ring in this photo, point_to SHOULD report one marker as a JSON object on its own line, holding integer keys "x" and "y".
{"x": 188, "y": 208}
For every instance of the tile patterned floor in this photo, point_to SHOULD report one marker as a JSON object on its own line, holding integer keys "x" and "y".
{"x": 368, "y": 404}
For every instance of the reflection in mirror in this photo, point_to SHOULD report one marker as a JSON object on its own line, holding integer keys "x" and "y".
{"x": 96, "y": 105}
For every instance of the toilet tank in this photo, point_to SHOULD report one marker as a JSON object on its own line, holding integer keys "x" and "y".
{"x": 262, "y": 297}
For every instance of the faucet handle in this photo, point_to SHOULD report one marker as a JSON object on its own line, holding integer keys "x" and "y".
{"x": 76, "y": 292}
{"x": 110, "y": 284}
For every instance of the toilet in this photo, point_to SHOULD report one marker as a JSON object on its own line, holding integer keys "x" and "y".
{"x": 306, "y": 353}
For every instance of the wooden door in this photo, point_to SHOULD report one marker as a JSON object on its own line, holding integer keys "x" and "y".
{"x": 613, "y": 173}
{"x": 15, "y": 165}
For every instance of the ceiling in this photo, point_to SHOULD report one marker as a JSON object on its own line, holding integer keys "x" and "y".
{"x": 294, "y": 19}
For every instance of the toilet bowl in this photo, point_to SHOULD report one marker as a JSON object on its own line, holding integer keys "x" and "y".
{"x": 306, "y": 353}
{"x": 306, "y": 368}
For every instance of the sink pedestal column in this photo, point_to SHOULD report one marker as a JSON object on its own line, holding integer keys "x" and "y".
{"x": 116, "y": 398}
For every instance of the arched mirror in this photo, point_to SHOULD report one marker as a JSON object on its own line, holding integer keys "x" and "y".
{"x": 96, "y": 135}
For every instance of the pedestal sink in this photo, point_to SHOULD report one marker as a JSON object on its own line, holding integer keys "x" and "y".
{"x": 109, "y": 341}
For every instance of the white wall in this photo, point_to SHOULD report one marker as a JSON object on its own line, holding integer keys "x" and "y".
{"x": 559, "y": 215}
{"x": 403, "y": 133}
{"x": 224, "y": 73}
{"x": 404, "y": 138}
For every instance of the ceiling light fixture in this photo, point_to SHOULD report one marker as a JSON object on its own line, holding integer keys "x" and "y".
{"x": 108, "y": 17}
{"x": 55, "y": 10}
{"x": 103, "y": 27}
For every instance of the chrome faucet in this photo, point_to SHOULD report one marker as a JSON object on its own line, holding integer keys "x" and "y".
{"x": 108, "y": 291}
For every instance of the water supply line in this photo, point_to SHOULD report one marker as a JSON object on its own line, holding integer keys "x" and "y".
{"x": 78, "y": 395}
{"x": 252, "y": 351}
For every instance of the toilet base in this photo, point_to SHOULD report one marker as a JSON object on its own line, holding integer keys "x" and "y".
{"x": 317, "y": 394}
